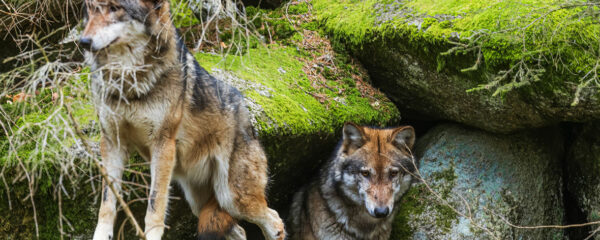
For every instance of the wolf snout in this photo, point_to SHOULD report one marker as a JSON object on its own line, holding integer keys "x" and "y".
{"x": 381, "y": 212}
{"x": 85, "y": 43}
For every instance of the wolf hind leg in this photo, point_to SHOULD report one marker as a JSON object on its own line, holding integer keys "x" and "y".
{"x": 196, "y": 195}
{"x": 212, "y": 220}
{"x": 216, "y": 223}
{"x": 247, "y": 180}
{"x": 237, "y": 232}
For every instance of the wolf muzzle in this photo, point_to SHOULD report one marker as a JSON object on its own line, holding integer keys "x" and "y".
{"x": 381, "y": 212}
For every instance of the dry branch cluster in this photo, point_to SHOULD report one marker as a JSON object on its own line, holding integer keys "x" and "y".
{"x": 541, "y": 49}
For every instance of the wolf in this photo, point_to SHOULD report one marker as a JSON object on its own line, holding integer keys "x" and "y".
{"x": 355, "y": 194}
{"x": 152, "y": 97}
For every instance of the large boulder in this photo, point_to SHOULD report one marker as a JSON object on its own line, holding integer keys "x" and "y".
{"x": 406, "y": 47}
{"x": 583, "y": 169}
{"x": 476, "y": 181}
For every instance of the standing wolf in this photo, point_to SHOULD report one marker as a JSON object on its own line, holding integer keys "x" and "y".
{"x": 354, "y": 196}
{"x": 152, "y": 97}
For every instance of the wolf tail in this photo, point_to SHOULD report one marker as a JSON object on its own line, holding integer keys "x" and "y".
{"x": 214, "y": 222}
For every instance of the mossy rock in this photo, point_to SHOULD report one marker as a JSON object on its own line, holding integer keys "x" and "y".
{"x": 583, "y": 166}
{"x": 405, "y": 47}
{"x": 264, "y": 4}
{"x": 513, "y": 177}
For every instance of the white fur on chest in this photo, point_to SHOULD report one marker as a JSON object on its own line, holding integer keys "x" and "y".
{"x": 137, "y": 122}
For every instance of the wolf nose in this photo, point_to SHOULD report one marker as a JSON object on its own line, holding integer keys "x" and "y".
{"x": 85, "y": 43}
{"x": 381, "y": 212}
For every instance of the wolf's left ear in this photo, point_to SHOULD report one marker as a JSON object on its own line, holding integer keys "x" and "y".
{"x": 353, "y": 137}
{"x": 404, "y": 137}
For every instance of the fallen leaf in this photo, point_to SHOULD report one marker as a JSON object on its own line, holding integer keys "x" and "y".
{"x": 20, "y": 97}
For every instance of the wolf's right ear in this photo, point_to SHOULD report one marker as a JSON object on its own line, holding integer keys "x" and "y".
{"x": 353, "y": 137}
{"x": 84, "y": 11}
{"x": 404, "y": 137}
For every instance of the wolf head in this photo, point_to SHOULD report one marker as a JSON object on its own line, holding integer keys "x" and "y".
{"x": 121, "y": 23}
{"x": 375, "y": 167}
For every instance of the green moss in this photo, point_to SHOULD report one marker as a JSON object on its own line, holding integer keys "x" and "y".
{"x": 410, "y": 206}
{"x": 467, "y": 17}
{"x": 39, "y": 137}
{"x": 292, "y": 107}
{"x": 447, "y": 176}
{"x": 427, "y": 25}
{"x": 419, "y": 200}
{"x": 300, "y": 8}
{"x": 19, "y": 222}
{"x": 31, "y": 124}
{"x": 446, "y": 181}
{"x": 183, "y": 16}
{"x": 352, "y": 20}
{"x": 445, "y": 218}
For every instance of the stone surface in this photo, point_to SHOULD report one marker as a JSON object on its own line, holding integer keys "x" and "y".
{"x": 583, "y": 166}
{"x": 486, "y": 178}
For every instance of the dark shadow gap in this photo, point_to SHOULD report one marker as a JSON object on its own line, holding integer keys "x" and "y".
{"x": 574, "y": 214}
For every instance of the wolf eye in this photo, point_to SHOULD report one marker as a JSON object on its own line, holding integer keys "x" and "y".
{"x": 113, "y": 8}
{"x": 394, "y": 173}
{"x": 365, "y": 173}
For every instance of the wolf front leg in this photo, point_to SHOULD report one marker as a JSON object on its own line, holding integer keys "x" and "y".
{"x": 113, "y": 159}
{"x": 161, "y": 168}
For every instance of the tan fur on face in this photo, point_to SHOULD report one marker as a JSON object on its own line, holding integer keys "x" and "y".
{"x": 371, "y": 169}
{"x": 380, "y": 150}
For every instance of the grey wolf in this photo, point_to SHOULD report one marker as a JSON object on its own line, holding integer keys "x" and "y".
{"x": 153, "y": 98}
{"x": 355, "y": 194}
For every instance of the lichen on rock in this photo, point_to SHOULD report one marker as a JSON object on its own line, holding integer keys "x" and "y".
{"x": 475, "y": 183}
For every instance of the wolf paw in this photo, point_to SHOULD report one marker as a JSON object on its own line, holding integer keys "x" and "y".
{"x": 154, "y": 233}
{"x": 280, "y": 235}
{"x": 278, "y": 231}
{"x": 103, "y": 232}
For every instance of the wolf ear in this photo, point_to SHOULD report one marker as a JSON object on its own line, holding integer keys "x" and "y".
{"x": 404, "y": 137}
{"x": 84, "y": 11}
{"x": 353, "y": 137}
{"x": 156, "y": 3}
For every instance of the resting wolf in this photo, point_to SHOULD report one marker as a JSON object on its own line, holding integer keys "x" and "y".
{"x": 153, "y": 98}
{"x": 355, "y": 194}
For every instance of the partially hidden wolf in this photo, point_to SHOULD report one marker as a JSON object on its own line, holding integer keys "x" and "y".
{"x": 153, "y": 98}
{"x": 355, "y": 195}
